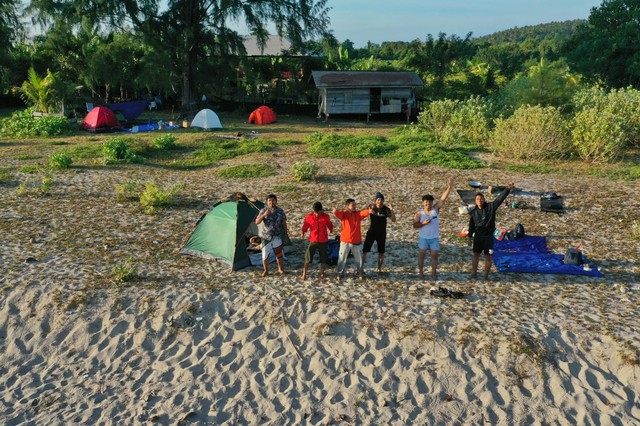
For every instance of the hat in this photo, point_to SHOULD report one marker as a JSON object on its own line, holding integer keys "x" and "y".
{"x": 379, "y": 195}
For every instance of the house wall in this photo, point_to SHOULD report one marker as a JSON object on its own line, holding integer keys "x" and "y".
{"x": 357, "y": 101}
{"x": 345, "y": 101}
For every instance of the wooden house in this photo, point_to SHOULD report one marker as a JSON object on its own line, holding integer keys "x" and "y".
{"x": 366, "y": 92}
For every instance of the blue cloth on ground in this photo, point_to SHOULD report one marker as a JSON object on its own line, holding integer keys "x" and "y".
{"x": 530, "y": 254}
{"x": 147, "y": 128}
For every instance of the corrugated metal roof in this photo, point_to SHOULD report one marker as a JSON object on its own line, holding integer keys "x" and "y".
{"x": 273, "y": 47}
{"x": 324, "y": 79}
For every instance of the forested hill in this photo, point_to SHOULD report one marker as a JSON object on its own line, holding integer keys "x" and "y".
{"x": 538, "y": 32}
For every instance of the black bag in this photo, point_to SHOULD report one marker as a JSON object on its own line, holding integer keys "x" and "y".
{"x": 573, "y": 257}
{"x": 519, "y": 231}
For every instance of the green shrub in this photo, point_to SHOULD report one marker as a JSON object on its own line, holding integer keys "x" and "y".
{"x": 533, "y": 133}
{"x": 165, "y": 141}
{"x": 128, "y": 191}
{"x": 24, "y": 124}
{"x": 60, "y": 161}
{"x": 127, "y": 272}
{"x": 624, "y": 104}
{"x": 155, "y": 196}
{"x": 305, "y": 171}
{"x": 598, "y": 136}
{"x": 454, "y": 121}
{"x": 246, "y": 171}
{"x": 45, "y": 185}
{"x": 116, "y": 150}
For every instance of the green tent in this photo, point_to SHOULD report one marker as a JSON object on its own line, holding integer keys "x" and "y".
{"x": 222, "y": 233}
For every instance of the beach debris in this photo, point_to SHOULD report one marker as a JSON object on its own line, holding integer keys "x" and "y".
{"x": 286, "y": 326}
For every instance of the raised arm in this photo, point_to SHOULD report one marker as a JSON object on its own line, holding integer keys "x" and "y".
{"x": 445, "y": 194}
{"x": 392, "y": 213}
{"x": 503, "y": 195}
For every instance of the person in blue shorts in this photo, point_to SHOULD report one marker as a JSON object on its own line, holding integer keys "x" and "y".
{"x": 427, "y": 222}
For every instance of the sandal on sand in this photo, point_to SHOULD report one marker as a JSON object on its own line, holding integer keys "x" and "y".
{"x": 445, "y": 292}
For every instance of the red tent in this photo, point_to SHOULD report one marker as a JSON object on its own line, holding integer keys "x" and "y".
{"x": 262, "y": 115}
{"x": 101, "y": 119}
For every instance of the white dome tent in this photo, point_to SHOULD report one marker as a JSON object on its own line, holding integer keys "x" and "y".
{"x": 206, "y": 119}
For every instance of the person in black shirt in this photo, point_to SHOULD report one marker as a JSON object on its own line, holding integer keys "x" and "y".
{"x": 482, "y": 225}
{"x": 378, "y": 228}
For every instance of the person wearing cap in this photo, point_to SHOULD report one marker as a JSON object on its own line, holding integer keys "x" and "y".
{"x": 351, "y": 236}
{"x": 319, "y": 224}
{"x": 274, "y": 228}
{"x": 427, "y": 222}
{"x": 378, "y": 228}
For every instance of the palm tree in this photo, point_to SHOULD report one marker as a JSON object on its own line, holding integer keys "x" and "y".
{"x": 39, "y": 91}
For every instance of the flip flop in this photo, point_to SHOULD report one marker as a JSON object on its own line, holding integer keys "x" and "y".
{"x": 440, "y": 292}
{"x": 445, "y": 292}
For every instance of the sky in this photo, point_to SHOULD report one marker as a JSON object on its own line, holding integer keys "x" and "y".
{"x": 404, "y": 20}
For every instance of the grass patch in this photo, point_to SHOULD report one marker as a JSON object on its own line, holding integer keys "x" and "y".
{"x": 404, "y": 148}
{"x": 6, "y": 174}
{"x": 286, "y": 187}
{"x": 214, "y": 150}
{"x": 332, "y": 145}
{"x": 625, "y": 172}
{"x": 422, "y": 155}
{"x": 31, "y": 169}
{"x": 246, "y": 171}
{"x": 84, "y": 152}
{"x": 128, "y": 191}
{"x": 28, "y": 157}
{"x": 537, "y": 167}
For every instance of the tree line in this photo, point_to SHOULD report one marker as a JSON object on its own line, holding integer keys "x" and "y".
{"x": 132, "y": 49}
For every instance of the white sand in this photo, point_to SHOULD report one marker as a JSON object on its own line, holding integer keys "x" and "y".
{"x": 190, "y": 343}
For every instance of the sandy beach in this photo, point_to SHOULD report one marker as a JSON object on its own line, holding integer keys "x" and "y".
{"x": 188, "y": 342}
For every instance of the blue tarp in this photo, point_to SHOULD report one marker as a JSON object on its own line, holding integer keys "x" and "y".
{"x": 131, "y": 109}
{"x": 530, "y": 254}
{"x": 147, "y": 128}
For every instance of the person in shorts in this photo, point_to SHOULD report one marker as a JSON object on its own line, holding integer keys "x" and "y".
{"x": 319, "y": 225}
{"x": 274, "y": 228}
{"x": 378, "y": 229}
{"x": 427, "y": 222}
{"x": 482, "y": 225}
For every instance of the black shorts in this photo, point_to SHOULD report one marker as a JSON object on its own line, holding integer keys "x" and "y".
{"x": 483, "y": 244}
{"x": 321, "y": 248}
{"x": 380, "y": 237}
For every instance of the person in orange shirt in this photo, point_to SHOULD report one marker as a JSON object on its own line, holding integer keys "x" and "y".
{"x": 351, "y": 236}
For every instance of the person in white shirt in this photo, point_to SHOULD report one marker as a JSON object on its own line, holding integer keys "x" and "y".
{"x": 427, "y": 222}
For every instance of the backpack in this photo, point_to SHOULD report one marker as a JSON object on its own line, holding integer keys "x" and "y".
{"x": 573, "y": 257}
{"x": 519, "y": 231}
{"x": 333, "y": 251}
